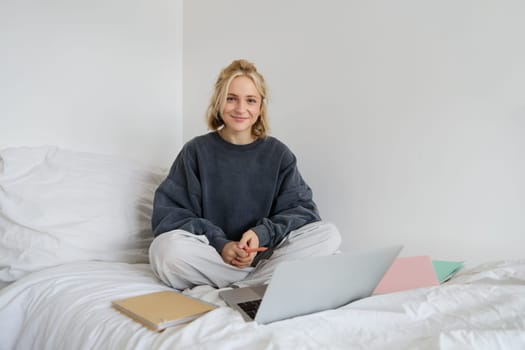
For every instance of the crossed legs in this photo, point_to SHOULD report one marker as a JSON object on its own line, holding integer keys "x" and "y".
{"x": 183, "y": 260}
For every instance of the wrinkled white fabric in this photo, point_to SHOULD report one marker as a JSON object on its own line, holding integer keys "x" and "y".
{"x": 59, "y": 206}
{"x": 69, "y": 307}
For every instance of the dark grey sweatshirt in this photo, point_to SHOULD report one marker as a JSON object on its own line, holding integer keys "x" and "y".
{"x": 222, "y": 190}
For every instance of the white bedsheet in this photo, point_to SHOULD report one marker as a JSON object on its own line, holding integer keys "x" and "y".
{"x": 68, "y": 307}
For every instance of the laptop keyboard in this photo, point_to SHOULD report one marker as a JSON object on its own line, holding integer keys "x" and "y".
{"x": 250, "y": 307}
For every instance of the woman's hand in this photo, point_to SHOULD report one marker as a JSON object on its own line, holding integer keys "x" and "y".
{"x": 234, "y": 253}
{"x": 249, "y": 239}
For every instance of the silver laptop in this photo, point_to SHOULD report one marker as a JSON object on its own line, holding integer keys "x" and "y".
{"x": 302, "y": 287}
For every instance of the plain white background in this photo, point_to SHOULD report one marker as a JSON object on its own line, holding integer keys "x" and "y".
{"x": 98, "y": 75}
{"x": 407, "y": 117}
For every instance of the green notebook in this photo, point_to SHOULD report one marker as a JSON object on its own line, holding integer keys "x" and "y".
{"x": 446, "y": 269}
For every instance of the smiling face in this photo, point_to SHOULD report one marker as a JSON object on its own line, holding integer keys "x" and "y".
{"x": 240, "y": 110}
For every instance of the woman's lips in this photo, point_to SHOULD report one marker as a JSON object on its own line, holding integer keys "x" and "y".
{"x": 239, "y": 119}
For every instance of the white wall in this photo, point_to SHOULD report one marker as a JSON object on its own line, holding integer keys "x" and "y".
{"x": 103, "y": 75}
{"x": 407, "y": 116}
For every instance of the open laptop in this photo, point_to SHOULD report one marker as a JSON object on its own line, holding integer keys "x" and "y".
{"x": 302, "y": 287}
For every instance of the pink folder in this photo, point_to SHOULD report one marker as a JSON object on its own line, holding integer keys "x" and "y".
{"x": 408, "y": 273}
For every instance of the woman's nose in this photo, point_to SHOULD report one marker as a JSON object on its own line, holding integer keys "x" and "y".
{"x": 240, "y": 106}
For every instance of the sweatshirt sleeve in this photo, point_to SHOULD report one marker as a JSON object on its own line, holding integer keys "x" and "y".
{"x": 292, "y": 208}
{"x": 177, "y": 203}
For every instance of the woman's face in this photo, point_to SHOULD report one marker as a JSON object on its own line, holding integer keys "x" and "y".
{"x": 242, "y": 108}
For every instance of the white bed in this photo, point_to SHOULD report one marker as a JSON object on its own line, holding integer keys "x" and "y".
{"x": 74, "y": 236}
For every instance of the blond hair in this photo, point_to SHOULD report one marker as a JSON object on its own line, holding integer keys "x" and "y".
{"x": 236, "y": 69}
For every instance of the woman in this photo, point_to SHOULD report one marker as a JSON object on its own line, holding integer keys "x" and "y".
{"x": 234, "y": 204}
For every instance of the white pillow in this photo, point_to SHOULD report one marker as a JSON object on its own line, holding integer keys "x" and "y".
{"x": 58, "y": 206}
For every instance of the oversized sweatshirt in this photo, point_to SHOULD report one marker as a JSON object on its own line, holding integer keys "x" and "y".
{"x": 221, "y": 190}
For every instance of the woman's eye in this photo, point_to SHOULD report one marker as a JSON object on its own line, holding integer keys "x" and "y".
{"x": 230, "y": 99}
{"x": 252, "y": 100}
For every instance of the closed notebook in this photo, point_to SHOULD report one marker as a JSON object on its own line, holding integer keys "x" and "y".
{"x": 445, "y": 270}
{"x": 159, "y": 310}
{"x": 408, "y": 273}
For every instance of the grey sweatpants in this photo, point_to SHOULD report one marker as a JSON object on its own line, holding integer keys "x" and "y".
{"x": 183, "y": 260}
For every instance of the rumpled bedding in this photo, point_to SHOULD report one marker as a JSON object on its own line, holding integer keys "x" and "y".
{"x": 69, "y": 307}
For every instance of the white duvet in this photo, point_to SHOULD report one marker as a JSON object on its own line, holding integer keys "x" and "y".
{"x": 68, "y": 307}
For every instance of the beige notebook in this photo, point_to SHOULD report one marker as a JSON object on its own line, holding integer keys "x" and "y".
{"x": 159, "y": 310}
